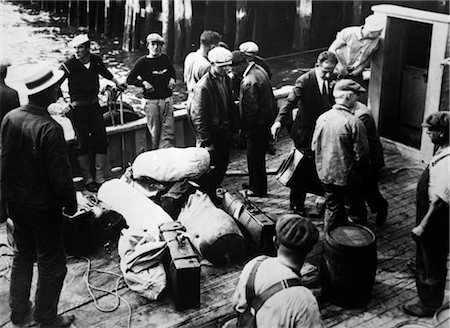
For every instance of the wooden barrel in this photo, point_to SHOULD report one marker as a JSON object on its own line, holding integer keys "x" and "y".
{"x": 412, "y": 324}
{"x": 441, "y": 318}
{"x": 349, "y": 262}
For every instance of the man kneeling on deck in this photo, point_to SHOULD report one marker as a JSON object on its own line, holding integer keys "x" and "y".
{"x": 271, "y": 286}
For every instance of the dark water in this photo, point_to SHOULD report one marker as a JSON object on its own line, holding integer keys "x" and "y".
{"x": 29, "y": 36}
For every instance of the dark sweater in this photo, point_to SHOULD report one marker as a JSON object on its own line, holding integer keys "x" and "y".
{"x": 83, "y": 82}
{"x": 156, "y": 71}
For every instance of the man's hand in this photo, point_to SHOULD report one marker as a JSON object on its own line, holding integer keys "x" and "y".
{"x": 275, "y": 129}
{"x": 171, "y": 84}
{"x": 417, "y": 232}
{"x": 148, "y": 86}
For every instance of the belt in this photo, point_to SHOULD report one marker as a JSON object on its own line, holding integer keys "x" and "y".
{"x": 84, "y": 102}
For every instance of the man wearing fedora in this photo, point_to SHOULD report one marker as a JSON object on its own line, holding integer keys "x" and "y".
{"x": 82, "y": 71}
{"x": 156, "y": 75}
{"x": 341, "y": 152}
{"x": 291, "y": 305}
{"x": 9, "y": 98}
{"x": 354, "y": 46}
{"x": 36, "y": 186}
{"x": 213, "y": 118}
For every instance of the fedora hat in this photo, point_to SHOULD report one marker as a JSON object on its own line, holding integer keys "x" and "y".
{"x": 40, "y": 78}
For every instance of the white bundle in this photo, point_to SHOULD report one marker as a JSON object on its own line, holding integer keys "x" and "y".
{"x": 138, "y": 211}
{"x": 172, "y": 164}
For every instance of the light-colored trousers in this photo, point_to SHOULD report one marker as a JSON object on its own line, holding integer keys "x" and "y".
{"x": 160, "y": 122}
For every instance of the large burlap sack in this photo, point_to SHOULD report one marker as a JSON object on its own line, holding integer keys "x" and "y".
{"x": 140, "y": 262}
{"x": 214, "y": 233}
{"x": 172, "y": 164}
{"x": 138, "y": 211}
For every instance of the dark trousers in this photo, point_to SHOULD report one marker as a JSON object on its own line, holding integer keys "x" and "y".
{"x": 90, "y": 129}
{"x": 343, "y": 203}
{"x": 372, "y": 193}
{"x": 304, "y": 180}
{"x": 38, "y": 235}
{"x": 257, "y": 145}
{"x": 220, "y": 157}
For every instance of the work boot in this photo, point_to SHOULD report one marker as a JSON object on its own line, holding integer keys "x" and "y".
{"x": 382, "y": 214}
{"x": 100, "y": 164}
{"x": 417, "y": 309}
{"x": 60, "y": 321}
{"x": 83, "y": 162}
{"x": 22, "y": 318}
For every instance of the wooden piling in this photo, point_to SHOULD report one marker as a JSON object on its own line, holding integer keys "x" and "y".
{"x": 302, "y": 25}
{"x": 178, "y": 52}
{"x": 241, "y": 22}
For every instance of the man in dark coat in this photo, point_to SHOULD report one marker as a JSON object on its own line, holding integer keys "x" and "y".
{"x": 312, "y": 94}
{"x": 9, "y": 98}
{"x": 257, "y": 110}
{"x": 36, "y": 186}
{"x": 211, "y": 115}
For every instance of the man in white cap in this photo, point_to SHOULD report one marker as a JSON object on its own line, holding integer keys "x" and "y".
{"x": 82, "y": 71}
{"x": 280, "y": 299}
{"x": 156, "y": 75}
{"x": 213, "y": 118}
{"x": 36, "y": 187}
{"x": 341, "y": 152}
{"x": 355, "y": 45}
{"x": 251, "y": 49}
{"x": 9, "y": 98}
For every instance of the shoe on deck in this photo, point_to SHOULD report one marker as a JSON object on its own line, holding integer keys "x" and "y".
{"x": 60, "y": 321}
{"x": 382, "y": 214}
{"x": 418, "y": 310}
{"x": 21, "y": 319}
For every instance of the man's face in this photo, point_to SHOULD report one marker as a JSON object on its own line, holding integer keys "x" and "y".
{"x": 81, "y": 51}
{"x": 221, "y": 70}
{"x": 435, "y": 136}
{"x": 325, "y": 69}
{"x": 154, "y": 48}
{"x": 239, "y": 69}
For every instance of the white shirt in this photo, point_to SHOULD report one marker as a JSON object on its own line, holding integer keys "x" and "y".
{"x": 320, "y": 82}
{"x": 439, "y": 183}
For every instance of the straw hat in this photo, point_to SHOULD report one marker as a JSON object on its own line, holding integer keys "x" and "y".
{"x": 42, "y": 77}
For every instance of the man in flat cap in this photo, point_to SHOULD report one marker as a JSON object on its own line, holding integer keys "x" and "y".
{"x": 432, "y": 221}
{"x": 36, "y": 187}
{"x": 82, "y": 71}
{"x": 354, "y": 46}
{"x": 156, "y": 75}
{"x": 257, "y": 112}
{"x": 292, "y": 305}
{"x": 213, "y": 118}
{"x": 312, "y": 95}
{"x": 9, "y": 98}
{"x": 251, "y": 50}
{"x": 341, "y": 152}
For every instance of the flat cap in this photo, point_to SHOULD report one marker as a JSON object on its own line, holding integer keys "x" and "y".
{"x": 249, "y": 47}
{"x": 220, "y": 56}
{"x": 238, "y": 57}
{"x": 4, "y": 64}
{"x": 154, "y": 37}
{"x": 374, "y": 23}
{"x": 437, "y": 120}
{"x": 79, "y": 40}
{"x": 348, "y": 85}
{"x": 296, "y": 232}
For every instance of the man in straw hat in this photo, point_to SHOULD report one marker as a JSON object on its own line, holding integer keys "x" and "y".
{"x": 82, "y": 71}
{"x": 9, "y": 98}
{"x": 432, "y": 221}
{"x": 212, "y": 115}
{"x": 341, "y": 152}
{"x": 355, "y": 45}
{"x": 292, "y": 305}
{"x": 156, "y": 75}
{"x": 36, "y": 186}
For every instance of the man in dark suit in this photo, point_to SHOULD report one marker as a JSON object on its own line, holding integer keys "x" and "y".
{"x": 9, "y": 98}
{"x": 312, "y": 94}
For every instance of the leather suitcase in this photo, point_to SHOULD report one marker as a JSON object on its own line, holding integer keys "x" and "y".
{"x": 256, "y": 226}
{"x": 182, "y": 266}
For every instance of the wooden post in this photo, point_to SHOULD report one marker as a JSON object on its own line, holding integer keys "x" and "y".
{"x": 178, "y": 31}
{"x": 87, "y": 15}
{"x": 165, "y": 20}
{"x": 69, "y": 10}
{"x": 127, "y": 25}
{"x": 302, "y": 25}
{"x": 106, "y": 13}
{"x": 229, "y": 22}
{"x": 241, "y": 22}
{"x": 357, "y": 10}
{"x": 148, "y": 17}
{"x": 187, "y": 26}
{"x": 136, "y": 25}
{"x": 259, "y": 23}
